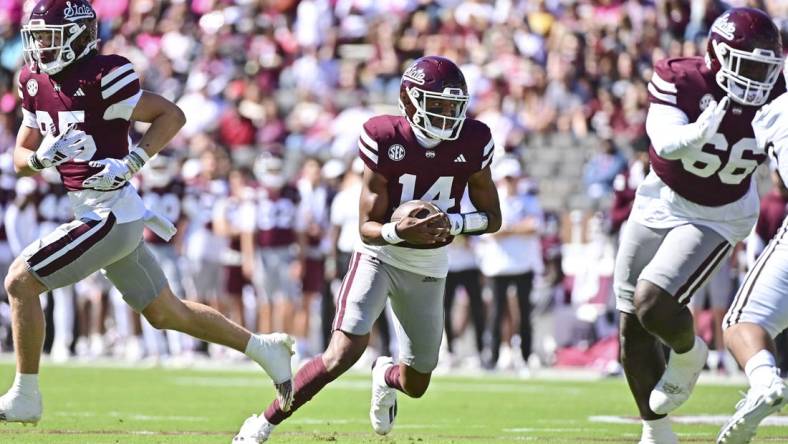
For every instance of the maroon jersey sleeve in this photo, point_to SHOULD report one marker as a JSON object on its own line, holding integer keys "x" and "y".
{"x": 374, "y": 133}
{"x": 119, "y": 87}
{"x": 477, "y": 135}
{"x": 662, "y": 87}
{"x": 28, "y": 108}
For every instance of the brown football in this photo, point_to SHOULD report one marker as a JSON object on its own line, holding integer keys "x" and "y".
{"x": 412, "y": 208}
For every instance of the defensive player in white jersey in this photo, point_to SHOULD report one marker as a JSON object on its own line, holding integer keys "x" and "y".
{"x": 77, "y": 107}
{"x": 696, "y": 203}
{"x": 760, "y": 310}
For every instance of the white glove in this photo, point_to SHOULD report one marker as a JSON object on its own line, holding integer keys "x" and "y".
{"x": 709, "y": 120}
{"x": 57, "y": 150}
{"x": 115, "y": 172}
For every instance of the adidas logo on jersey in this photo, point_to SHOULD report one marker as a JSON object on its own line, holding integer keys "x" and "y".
{"x": 460, "y": 159}
{"x": 79, "y": 93}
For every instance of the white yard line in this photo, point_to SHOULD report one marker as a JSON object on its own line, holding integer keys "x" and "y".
{"x": 688, "y": 419}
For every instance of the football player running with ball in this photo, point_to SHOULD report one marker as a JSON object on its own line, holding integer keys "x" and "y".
{"x": 697, "y": 202}
{"x": 759, "y": 311}
{"x": 431, "y": 152}
{"x": 77, "y": 107}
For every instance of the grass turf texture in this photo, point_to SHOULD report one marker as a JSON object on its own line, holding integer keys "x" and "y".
{"x": 117, "y": 405}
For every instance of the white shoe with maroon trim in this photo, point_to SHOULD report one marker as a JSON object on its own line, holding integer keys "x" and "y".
{"x": 383, "y": 410}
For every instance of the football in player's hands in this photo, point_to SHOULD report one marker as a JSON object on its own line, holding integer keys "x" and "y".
{"x": 422, "y": 224}
{"x": 420, "y": 209}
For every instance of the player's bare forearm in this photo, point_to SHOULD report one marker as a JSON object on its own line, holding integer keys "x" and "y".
{"x": 372, "y": 207}
{"x": 27, "y": 142}
{"x": 484, "y": 196}
{"x": 165, "y": 117}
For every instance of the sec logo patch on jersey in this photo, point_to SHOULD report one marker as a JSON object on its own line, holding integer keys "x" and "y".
{"x": 32, "y": 87}
{"x": 396, "y": 152}
{"x": 705, "y": 101}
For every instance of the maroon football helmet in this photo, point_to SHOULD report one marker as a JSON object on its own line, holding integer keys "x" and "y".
{"x": 745, "y": 52}
{"x": 58, "y": 33}
{"x": 433, "y": 96}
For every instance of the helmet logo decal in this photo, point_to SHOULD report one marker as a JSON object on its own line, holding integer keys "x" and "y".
{"x": 724, "y": 27}
{"x": 415, "y": 75}
{"x": 32, "y": 87}
{"x": 73, "y": 13}
{"x": 396, "y": 152}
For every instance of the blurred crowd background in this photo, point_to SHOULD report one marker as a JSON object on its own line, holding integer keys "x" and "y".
{"x": 263, "y": 180}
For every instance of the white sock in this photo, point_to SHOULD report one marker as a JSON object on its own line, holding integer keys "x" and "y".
{"x": 761, "y": 369}
{"x": 26, "y": 384}
{"x": 656, "y": 427}
{"x": 688, "y": 358}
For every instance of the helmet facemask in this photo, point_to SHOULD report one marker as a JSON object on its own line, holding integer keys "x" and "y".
{"x": 748, "y": 77}
{"x": 439, "y": 115}
{"x": 50, "y": 48}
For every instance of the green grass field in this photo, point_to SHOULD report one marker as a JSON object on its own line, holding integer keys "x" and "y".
{"x": 112, "y": 405}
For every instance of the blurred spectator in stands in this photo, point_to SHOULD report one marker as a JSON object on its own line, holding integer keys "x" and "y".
{"x": 625, "y": 185}
{"x": 464, "y": 274}
{"x": 602, "y": 168}
{"x": 313, "y": 246}
{"x": 511, "y": 258}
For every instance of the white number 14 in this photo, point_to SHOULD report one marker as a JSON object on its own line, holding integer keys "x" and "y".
{"x": 439, "y": 193}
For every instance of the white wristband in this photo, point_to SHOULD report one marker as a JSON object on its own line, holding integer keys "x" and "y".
{"x": 475, "y": 222}
{"x": 389, "y": 233}
{"x": 136, "y": 159}
{"x": 457, "y": 223}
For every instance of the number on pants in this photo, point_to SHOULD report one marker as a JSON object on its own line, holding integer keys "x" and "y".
{"x": 705, "y": 164}
{"x": 65, "y": 118}
{"x": 439, "y": 193}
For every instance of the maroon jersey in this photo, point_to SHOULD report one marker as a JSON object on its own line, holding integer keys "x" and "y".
{"x": 166, "y": 201}
{"x": 98, "y": 94}
{"x": 440, "y": 175}
{"x": 277, "y": 216}
{"x": 722, "y": 172}
{"x": 774, "y": 208}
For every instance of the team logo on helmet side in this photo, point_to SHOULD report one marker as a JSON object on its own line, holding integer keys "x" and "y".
{"x": 396, "y": 152}
{"x": 724, "y": 27}
{"x": 32, "y": 87}
{"x": 415, "y": 75}
{"x": 79, "y": 12}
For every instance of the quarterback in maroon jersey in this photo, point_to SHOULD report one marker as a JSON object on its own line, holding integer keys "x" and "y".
{"x": 77, "y": 108}
{"x": 695, "y": 204}
{"x": 431, "y": 152}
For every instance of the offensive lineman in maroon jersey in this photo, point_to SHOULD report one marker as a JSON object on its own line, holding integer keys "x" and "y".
{"x": 77, "y": 108}
{"x": 431, "y": 152}
{"x": 697, "y": 202}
